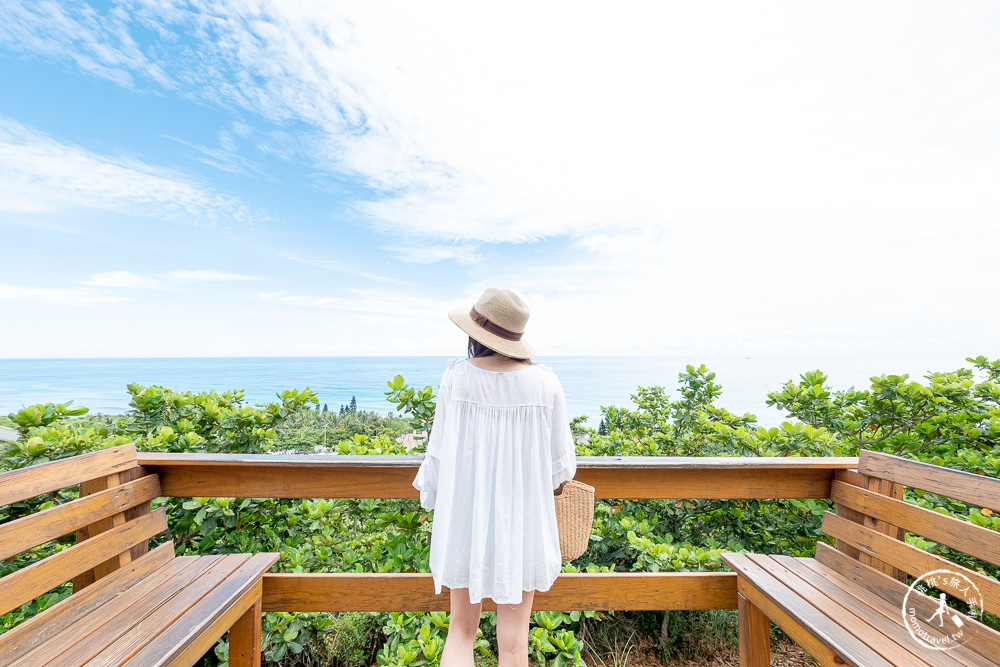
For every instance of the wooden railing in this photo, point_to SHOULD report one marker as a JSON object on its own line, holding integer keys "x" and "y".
{"x": 284, "y": 476}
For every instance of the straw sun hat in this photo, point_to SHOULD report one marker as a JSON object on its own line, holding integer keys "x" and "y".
{"x": 497, "y": 321}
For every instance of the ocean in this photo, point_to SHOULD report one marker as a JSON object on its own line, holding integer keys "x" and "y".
{"x": 589, "y": 382}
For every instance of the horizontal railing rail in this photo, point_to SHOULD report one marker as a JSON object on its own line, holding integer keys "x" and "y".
{"x": 571, "y": 591}
{"x": 645, "y": 477}
{"x": 389, "y": 477}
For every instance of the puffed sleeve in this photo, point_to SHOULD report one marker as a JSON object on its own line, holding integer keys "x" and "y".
{"x": 563, "y": 446}
{"x": 426, "y": 480}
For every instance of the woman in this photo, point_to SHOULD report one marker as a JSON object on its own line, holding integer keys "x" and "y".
{"x": 500, "y": 445}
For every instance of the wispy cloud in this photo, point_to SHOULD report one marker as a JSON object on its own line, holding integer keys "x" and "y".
{"x": 430, "y": 254}
{"x": 125, "y": 279}
{"x": 697, "y": 183}
{"x": 556, "y": 138}
{"x": 98, "y": 43}
{"x": 39, "y": 174}
{"x": 169, "y": 280}
{"x": 365, "y": 301}
{"x": 224, "y": 158}
{"x": 60, "y": 296}
{"x": 341, "y": 267}
{"x": 114, "y": 286}
{"x": 207, "y": 275}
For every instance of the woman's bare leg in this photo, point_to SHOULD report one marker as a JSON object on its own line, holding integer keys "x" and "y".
{"x": 462, "y": 627}
{"x": 512, "y": 631}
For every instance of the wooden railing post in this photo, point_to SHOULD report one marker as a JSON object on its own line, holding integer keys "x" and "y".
{"x": 107, "y": 567}
{"x": 885, "y": 488}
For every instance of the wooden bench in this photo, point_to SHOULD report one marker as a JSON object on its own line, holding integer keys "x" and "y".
{"x": 851, "y": 605}
{"x": 130, "y": 605}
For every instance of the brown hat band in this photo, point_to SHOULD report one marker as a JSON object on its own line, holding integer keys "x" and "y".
{"x": 493, "y": 327}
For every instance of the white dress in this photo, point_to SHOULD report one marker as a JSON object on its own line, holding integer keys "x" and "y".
{"x": 500, "y": 445}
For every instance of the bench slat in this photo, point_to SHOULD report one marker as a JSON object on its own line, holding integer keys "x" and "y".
{"x": 821, "y": 574}
{"x": 56, "y": 620}
{"x": 209, "y": 633}
{"x": 217, "y": 610}
{"x": 987, "y": 641}
{"x": 95, "y": 486}
{"x": 871, "y": 598}
{"x": 30, "y": 531}
{"x": 865, "y": 623}
{"x": 826, "y": 643}
{"x": 969, "y": 538}
{"x": 142, "y": 631}
{"x": 94, "y": 633}
{"x": 977, "y": 490}
{"x": 907, "y": 557}
{"x": 24, "y": 483}
{"x": 798, "y": 634}
{"x": 886, "y": 488}
{"x": 82, "y": 634}
{"x": 167, "y": 610}
{"x": 38, "y": 578}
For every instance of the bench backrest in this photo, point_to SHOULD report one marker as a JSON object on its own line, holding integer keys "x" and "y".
{"x": 872, "y": 518}
{"x": 111, "y": 518}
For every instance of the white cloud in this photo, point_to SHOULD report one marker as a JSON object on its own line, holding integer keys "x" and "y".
{"x": 652, "y": 116}
{"x": 171, "y": 279}
{"x": 719, "y": 193}
{"x": 400, "y": 307}
{"x": 99, "y": 44}
{"x": 430, "y": 254}
{"x": 475, "y": 123}
{"x": 125, "y": 279}
{"x": 342, "y": 267}
{"x": 39, "y": 174}
{"x": 224, "y": 158}
{"x": 207, "y": 275}
{"x": 60, "y": 296}
{"x": 731, "y": 176}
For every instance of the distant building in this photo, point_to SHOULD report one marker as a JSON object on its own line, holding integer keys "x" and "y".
{"x": 411, "y": 440}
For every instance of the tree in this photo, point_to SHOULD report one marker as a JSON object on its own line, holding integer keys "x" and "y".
{"x": 951, "y": 412}
{"x": 418, "y": 405}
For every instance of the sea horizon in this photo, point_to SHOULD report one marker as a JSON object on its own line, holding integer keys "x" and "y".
{"x": 99, "y": 383}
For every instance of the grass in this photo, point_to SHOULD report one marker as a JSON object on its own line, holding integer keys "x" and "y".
{"x": 355, "y": 639}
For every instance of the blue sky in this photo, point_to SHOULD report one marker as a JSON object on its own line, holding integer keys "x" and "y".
{"x": 237, "y": 178}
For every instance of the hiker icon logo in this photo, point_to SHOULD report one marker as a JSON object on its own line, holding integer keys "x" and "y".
{"x": 929, "y": 619}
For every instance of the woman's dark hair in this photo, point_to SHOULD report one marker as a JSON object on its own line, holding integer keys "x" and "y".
{"x": 477, "y": 349}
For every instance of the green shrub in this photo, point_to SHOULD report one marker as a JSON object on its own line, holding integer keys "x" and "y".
{"x": 953, "y": 419}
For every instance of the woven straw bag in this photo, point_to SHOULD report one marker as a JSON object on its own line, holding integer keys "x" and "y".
{"x": 575, "y": 517}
